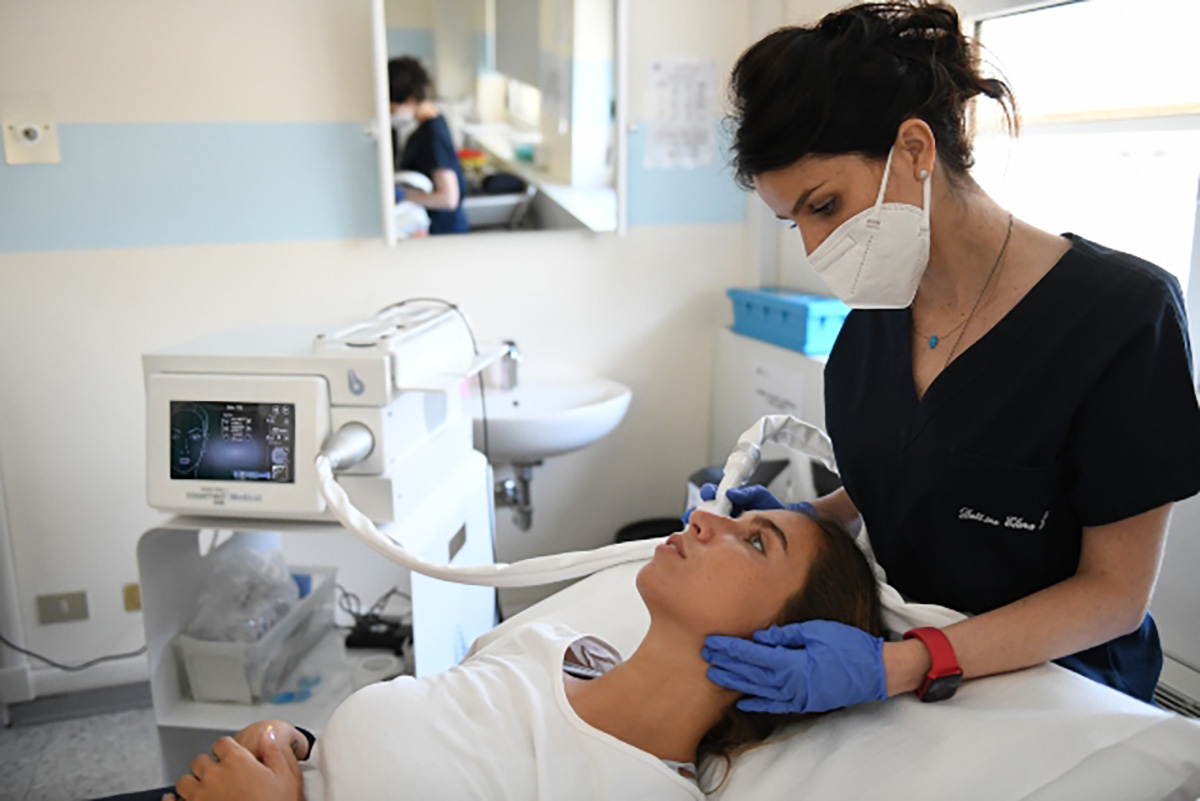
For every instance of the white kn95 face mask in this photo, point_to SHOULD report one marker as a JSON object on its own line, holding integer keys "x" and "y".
{"x": 875, "y": 259}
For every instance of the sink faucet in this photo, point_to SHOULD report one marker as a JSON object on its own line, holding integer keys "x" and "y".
{"x": 503, "y": 373}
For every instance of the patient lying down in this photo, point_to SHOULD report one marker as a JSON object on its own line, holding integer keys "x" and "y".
{"x": 519, "y": 720}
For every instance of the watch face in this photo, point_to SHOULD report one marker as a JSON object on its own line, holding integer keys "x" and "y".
{"x": 942, "y": 687}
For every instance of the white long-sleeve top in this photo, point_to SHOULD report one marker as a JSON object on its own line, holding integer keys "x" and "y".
{"x": 498, "y": 726}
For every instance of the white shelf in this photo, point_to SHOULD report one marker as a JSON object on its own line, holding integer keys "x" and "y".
{"x": 218, "y": 523}
{"x": 411, "y": 537}
{"x": 328, "y": 659}
{"x": 173, "y": 568}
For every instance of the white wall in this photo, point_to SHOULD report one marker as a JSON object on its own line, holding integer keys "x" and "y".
{"x": 409, "y": 13}
{"x": 720, "y": 31}
{"x": 73, "y": 324}
{"x": 142, "y": 61}
{"x": 454, "y": 47}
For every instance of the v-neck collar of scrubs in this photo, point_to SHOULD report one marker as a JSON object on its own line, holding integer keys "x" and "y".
{"x": 1002, "y": 340}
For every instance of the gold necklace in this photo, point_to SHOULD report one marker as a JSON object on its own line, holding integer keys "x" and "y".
{"x": 999, "y": 258}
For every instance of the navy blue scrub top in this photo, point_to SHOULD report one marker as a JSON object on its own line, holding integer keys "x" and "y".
{"x": 1077, "y": 409}
{"x": 430, "y": 148}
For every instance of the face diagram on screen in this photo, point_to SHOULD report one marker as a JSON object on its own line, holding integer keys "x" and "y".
{"x": 228, "y": 441}
{"x": 189, "y": 436}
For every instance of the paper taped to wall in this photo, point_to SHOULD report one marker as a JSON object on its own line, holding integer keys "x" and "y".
{"x": 682, "y": 110}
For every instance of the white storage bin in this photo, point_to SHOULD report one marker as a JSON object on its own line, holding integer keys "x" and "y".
{"x": 252, "y": 672}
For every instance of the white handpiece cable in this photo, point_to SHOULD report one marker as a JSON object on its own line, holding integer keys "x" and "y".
{"x": 353, "y": 442}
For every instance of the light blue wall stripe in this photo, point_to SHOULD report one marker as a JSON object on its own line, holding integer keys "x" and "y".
{"x": 133, "y": 185}
{"x": 416, "y": 42}
{"x": 128, "y": 185}
{"x": 678, "y": 196}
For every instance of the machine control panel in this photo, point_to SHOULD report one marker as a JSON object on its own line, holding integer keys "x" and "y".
{"x": 232, "y": 441}
{"x": 235, "y": 445}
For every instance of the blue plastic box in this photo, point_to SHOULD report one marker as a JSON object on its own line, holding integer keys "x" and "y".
{"x": 805, "y": 323}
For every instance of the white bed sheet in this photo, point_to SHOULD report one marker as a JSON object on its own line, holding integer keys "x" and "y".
{"x": 1043, "y": 733}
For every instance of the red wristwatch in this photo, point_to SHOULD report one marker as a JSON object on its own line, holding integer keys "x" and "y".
{"x": 944, "y": 677}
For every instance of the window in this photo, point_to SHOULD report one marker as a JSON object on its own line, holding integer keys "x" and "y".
{"x": 1110, "y": 106}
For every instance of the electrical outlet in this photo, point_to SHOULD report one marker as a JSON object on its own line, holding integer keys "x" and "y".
{"x": 133, "y": 597}
{"x": 62, "y": 608}
{"x": 30, "y": 142}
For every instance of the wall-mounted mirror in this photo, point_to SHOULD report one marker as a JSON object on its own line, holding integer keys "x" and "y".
{"x": 499, "y": 115}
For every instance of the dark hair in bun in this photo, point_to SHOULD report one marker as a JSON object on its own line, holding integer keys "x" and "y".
{"x": 407, "y": 78}
{"x": 846, "y": 84}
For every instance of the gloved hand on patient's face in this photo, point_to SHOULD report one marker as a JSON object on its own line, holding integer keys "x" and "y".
{"x": 813, "y": 666}
{"x": 748, "y": 499}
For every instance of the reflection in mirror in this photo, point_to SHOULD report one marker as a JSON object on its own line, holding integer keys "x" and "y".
{"x": 502, "y": 115}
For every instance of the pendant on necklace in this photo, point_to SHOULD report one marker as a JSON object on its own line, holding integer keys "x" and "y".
{"x": 933, "y": 341}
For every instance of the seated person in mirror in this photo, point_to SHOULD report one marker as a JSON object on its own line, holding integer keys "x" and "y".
{"x": 429, "y": 149}
{"x": 550, "y": 712}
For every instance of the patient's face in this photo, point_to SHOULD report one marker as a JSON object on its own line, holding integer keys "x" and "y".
{"x": 727, "y": 576}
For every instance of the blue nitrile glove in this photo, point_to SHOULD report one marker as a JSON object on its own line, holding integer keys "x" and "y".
{"x": 752, "y": 498}
{"x": 399, "y": 194}
{"x": 813, "y": 666}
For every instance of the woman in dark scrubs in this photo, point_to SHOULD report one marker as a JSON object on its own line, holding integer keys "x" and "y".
{"x": 429, "y": 149}
{"x": 1013, "y": 411}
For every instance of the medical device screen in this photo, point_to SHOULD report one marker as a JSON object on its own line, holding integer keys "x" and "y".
{"x": 213, "y": 440}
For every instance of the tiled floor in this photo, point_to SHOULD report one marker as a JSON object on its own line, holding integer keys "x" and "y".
{"x": 81, "y": 758}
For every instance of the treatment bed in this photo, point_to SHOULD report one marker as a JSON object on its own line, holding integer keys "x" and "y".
{"x": 1042, "y": 733}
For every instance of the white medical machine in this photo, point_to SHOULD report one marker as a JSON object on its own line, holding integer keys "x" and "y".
{"x": 234, "y": 426}
{"x": 364, "y": 424}
{"x": 234, "y": 423}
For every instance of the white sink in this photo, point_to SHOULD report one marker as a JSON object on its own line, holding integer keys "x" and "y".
{"x": 547, "y": 417}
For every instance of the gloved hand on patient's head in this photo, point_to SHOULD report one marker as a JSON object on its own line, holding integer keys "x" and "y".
{"x": 749, "y": 499}
{"x": 812, "y": 666}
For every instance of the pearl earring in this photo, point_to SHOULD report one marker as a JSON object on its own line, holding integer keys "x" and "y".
{"x": 923, "y": 174}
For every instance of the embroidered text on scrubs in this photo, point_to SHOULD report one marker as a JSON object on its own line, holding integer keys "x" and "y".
{"x": 1011, "y": 521}
{"x": 967, "y": 513}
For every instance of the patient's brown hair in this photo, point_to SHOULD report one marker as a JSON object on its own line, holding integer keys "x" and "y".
{"x": 840, "y": 587}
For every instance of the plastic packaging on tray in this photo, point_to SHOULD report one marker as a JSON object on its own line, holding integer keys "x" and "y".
{"x": 252, "y": 672}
